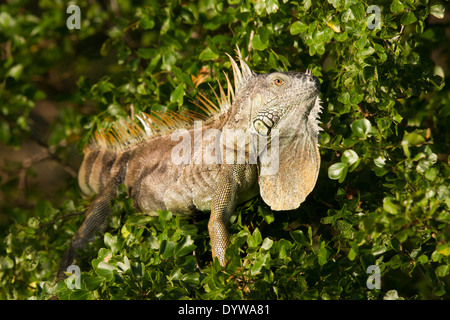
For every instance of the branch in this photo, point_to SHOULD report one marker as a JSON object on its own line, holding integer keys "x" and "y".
{"x": 59, "y": 218}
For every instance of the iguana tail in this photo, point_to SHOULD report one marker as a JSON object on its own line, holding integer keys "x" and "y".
{"x": 95, "y": 221}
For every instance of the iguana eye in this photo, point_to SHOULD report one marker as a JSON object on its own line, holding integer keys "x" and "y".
{"x": 278, "y": 81}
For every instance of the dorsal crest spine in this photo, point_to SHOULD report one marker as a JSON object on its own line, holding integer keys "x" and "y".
{"x": 126, "y": 132}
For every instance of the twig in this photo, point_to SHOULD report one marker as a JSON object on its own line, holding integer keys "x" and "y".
{"x": 49, "y": 153}
{"x": 59, "y": 218}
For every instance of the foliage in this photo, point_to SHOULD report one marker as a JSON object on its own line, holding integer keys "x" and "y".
{"x": 382, "y": 197}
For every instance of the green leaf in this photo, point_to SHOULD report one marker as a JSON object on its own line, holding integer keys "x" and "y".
{"x": 255, "y": 239}
{"x": 349, "y": 157}
{"x": 125, "y": 265}
{"x": 166, "y": 26}
{"x": 338, "y": 4}
{"x": 92, "y": 283}
{"x": 322, "y": 254}
{"x": 104, "y": 254}
{"x": 147, "y": 23}
{"x": 389, "y": 206}
{"x": 298, "y": 27}
{"x": 262, "y": 259}
{"x": 164, "y": 215}
{"x": 167, "y": 248}
{"x": 352, "y": 254}
{"x": 408, "y": 18}
{"x": 344, "y": 97}
{"x": 272, "y": 6}
{"x": 207, "y": 54}
{"x": 422, "y": 259}
{"x": 191, "y": 279}
{"x": 105, "y": 270}
{"x": 443, "y": 249}
{"x": 357, "y": 96}
{"x": 405, "y": 147}
{"x": 33, "y": 222}
{"x": 438, "y": 10}
{"x": 5, "y": 132}
{"x": 361, "y": 128}
{"x": 338, "y": 171}
{"x": 178, "y": 94}
{"x": 267, "y": 244}
{"x": 184, "y": 247}
{"x": 175, "y": 274}
{"x": 260, "y": 40}
{"x": 81, "y": 295}
{"x": 442, "y": 271}
{"x": 397, "y": 6}
{"x": 15, "y": 72}
{"x": 299, "y": 237}
{"x": 6, "y": 263}
{"x": 439, "y": 290}
{"x": 112, "y": 242}
{"x": 267, "y": 214}
{"x": 367, "y": 51}
{"x": 392, "y": 295}
{"x": 414, "y": 139}
{"x": 146, "y": 53}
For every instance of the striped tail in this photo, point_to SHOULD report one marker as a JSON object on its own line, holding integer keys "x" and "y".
{"x": 98, "y": 167}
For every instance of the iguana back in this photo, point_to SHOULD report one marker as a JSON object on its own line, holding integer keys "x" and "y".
{"x": 153, "y": 180}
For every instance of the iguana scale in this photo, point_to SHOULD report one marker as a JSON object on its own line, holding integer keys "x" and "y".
{"x": 266, "y": 114}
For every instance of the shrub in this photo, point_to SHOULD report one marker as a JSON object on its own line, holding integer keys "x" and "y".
{"x": 382, "y": 197}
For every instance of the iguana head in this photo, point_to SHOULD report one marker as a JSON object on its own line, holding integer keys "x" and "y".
{"x": 283, "y": 107}
{"x": 278, "y": 94}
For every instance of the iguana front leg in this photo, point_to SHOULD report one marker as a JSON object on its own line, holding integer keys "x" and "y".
{"x": 232, "y": 180}
{"x": 95, "y": 221}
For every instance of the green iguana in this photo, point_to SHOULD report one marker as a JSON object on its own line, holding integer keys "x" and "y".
{"x": 262, "y": 138}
